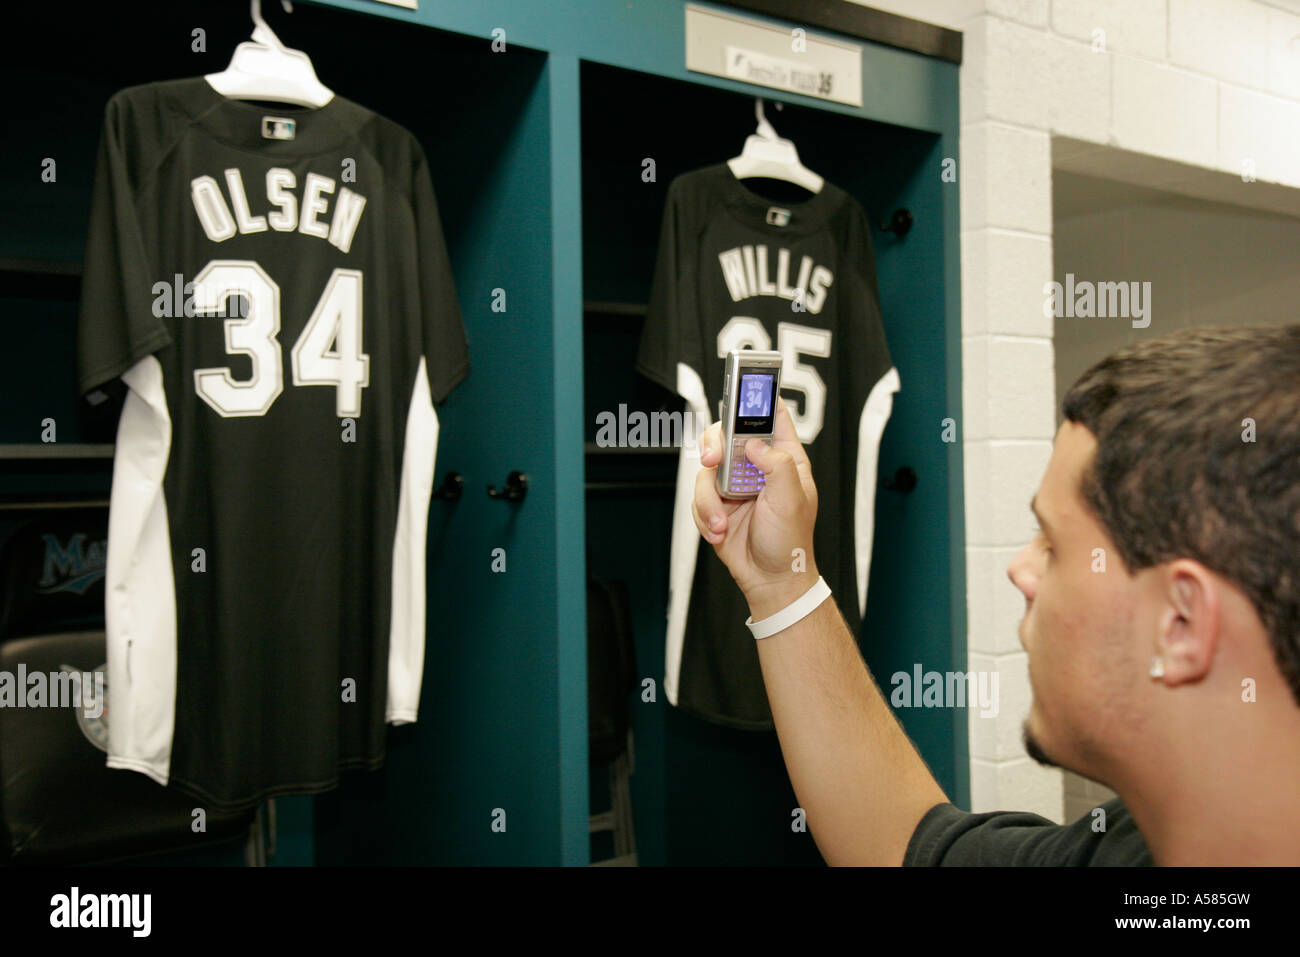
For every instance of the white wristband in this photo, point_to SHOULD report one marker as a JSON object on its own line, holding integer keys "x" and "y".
{"x": 801, "y": 607}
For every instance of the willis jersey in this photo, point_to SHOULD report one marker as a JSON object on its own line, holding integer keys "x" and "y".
{"x": 734, "y": 271}
{"x": 273, "y": 286}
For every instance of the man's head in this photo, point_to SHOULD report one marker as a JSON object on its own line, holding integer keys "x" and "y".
{"x": 1170, "y": 540}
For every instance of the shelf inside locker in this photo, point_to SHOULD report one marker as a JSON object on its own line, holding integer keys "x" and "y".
{"x": 40, "y": 279}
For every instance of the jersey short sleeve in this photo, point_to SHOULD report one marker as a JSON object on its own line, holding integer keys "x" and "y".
{"x": 949, "y": 836}
{"x": 446, "y": 350}
{"x": 117, "y": 326}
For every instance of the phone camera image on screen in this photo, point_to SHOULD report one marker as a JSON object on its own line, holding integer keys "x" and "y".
{"x": 755, "y": 394}
{"x": 751, "y": 385}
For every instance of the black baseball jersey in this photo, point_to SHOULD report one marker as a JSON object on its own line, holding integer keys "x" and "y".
{"x": 273, "y": 286}
{"x": 735, "y": 271}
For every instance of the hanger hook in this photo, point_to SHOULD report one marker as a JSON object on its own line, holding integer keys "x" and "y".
{"x": 765, "y": 129}
{"x": 259, "y": 23}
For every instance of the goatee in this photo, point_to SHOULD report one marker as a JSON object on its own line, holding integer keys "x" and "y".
{"x": 1034, "y": 749}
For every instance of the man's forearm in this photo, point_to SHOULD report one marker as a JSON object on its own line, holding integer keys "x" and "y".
{"x": 856, "y": 774}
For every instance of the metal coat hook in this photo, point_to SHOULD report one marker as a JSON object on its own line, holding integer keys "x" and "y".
{"x": 900, "y": 223}
{"x": 451, "y": 487}
{"x": 904, "y": 480}
{"x": 515, "y": 490}
{"x": 765, "y": 129}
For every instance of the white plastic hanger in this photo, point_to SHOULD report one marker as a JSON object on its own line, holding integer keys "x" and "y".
{"x": 766, "y": 154}
{"x": 265, "y": 69}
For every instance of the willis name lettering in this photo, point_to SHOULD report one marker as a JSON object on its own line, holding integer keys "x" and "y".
{"x": 745, "y": 269}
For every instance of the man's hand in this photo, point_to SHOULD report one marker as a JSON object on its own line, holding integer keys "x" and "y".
{"x": 759, "y": 539}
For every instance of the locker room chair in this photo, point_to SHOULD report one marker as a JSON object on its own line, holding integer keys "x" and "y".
{"x": 59, "y": 801}
{"x": 611, "y": 679}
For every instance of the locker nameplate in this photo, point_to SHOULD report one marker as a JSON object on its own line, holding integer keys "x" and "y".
{"x": 793, "y": 60}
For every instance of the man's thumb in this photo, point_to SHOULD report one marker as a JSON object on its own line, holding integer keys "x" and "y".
{"x": 781, "y": 476}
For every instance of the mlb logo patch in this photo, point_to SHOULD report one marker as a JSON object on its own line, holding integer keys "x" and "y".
{"x": 278, "y": 128}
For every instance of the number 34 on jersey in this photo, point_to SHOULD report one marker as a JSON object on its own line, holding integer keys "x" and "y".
{"x": 327, "y": 353}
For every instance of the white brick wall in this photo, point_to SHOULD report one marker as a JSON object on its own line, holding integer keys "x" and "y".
{"x": 1283, "y": 63}
{"x": 995, "y": 297}
{"x": 1209, "y": 83}
{"x": 1078, "y": 84}
{"x": 1008, "y": 178}
{"x": 1136, "y": 27}
{"x": 1227, "y": 39}
{"x": 1163, "y": 110}
{"x": 1260, "y": 127}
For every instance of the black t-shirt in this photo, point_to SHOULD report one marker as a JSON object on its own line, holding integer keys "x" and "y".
{"x": 951, "y": 837}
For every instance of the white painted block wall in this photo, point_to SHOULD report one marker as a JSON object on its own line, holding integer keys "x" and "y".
{"x": 1210, "y": 83}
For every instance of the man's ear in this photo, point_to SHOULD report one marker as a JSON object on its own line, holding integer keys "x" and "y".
{"x": 1189, "y": 623}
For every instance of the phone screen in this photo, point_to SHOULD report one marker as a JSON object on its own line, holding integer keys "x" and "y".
{"x": 754, "y": 403}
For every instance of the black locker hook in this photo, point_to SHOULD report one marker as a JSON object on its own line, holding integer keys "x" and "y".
{"x": 904, "y": 480}
{"x": 515, "y": 490}
{"x": 451, "y": 487}
{"x": 900, "y": 223}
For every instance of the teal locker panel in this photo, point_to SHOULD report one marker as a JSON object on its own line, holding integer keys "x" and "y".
{"x": 570, "y": 514}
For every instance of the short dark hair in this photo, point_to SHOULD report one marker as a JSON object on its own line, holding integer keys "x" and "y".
{"x": 1174, "y": 475}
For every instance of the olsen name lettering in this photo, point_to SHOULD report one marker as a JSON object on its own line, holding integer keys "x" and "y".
{"x": 221, "y": 220}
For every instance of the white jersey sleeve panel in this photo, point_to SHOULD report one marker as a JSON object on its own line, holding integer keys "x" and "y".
{"x": 406, "y": 635}
{"x": 140, "y": 611}
{"x": 871, "y": 425}
{"x": 685, "y": 537}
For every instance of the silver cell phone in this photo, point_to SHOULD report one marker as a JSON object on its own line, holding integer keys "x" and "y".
{"x": 749, "y": 394}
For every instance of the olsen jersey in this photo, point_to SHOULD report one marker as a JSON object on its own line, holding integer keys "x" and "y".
{"x": 735, "y": 270}
{"x": 273, "y": 286}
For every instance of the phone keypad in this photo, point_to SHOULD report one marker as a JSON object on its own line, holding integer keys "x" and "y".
{"x": 746, "y": 478}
